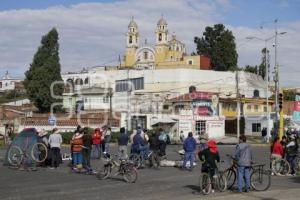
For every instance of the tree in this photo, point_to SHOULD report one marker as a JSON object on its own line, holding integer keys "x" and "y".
{"x": 262, "y": 66}
{"x": 218, "y": 43}
{"x": 43, "y": 71}
{"x": 251, "y": 69}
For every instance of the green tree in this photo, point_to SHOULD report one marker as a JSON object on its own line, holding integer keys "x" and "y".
{"x": 251, "y": 69}
{"x": 43, "y": 71}
{"x": 218, "y": 43}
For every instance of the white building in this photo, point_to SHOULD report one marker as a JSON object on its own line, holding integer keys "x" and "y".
{"x": 150, "y": 89}
{"x": 8, "y": 83}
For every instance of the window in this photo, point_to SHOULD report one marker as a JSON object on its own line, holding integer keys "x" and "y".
{"x": 256, "y": 127}
{"x": 256, "y": 108}
{"x": 130, "y": 39}
{"x": 146, "y": 55}
{"x": 136, "y": 120}
{"x": 200, "y": 127}
{"x": 190, "y": 62}
{"x": 85, "y": 100}
{"x": 166, "y": 107}
{"x": 159, "y": 37}
{"x": 136, "y": 83}
{"x": 105, "y": 99}
{"x": 249, "y": 107}
{"x": 0, "y": 84}
{"x": 265, "y": 108}
{"x": 256, "y": 93}
{"x": 86, "y": 81}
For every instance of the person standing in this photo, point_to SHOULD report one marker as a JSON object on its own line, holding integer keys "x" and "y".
{"x": 96, "y": 142}
{"x": 107, "y": 138}
{"x": 276, "y": 152}
{"x": 264, "y": 135}
{"x": 122, "y": 143}
{"x": 76, "y": 144}
{"x": 189, "y": 147}
{"x": 292, "y": 153}
{"x": 55, "y": 140}
{"x": 86, "y": 149}
{"x": 163, "y": 139}
{"x": 243, "y": 156}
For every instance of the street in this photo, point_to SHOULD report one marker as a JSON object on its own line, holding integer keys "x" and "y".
{"x": 164, "y": 183}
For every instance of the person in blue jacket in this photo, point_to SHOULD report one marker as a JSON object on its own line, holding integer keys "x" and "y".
{"x": 189, "y": 147}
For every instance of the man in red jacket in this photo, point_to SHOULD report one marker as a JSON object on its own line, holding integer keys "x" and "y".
{"x": 96, "y": 142}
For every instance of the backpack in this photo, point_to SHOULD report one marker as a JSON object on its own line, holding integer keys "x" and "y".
{"x": 163, "y": 137}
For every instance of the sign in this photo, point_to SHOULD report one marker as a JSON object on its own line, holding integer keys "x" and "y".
{"x": 52, "y": 120}
{"x": 296, "y": 113}
{"x": 215, "y": 129}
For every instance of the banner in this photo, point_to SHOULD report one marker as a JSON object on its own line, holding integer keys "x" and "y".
{"x": 296, "y": 111}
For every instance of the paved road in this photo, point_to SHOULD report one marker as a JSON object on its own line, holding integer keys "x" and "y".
{"x": 165, "y": 183}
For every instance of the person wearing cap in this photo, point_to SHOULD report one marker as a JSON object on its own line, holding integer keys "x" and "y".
{"x": 292, "y": 153}
{"x": 55, "y": 140}
{"x": 209, "y": 157}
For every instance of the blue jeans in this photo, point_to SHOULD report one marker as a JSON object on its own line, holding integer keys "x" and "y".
{"x": 188, "y": 156}
{"x": 292, "y": 160}
{"x": 96, "y": 151}
{"x": 77, "y": 159}
{"x": 106, "y": 147}
{"x": 144, "y": 150}
{"x": 243, "y": 173}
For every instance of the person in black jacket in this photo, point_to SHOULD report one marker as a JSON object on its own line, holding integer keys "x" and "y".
{"x": 209, "y": 157}
{"x": 86, "y": 149}
{"x": 123, "y": 142}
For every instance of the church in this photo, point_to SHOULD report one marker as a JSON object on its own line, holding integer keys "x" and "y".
{"x": 168, "y": 53}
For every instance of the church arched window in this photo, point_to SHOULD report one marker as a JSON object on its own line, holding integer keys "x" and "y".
{"x": 159, "y": 37}
{"x": 130, "y": 39}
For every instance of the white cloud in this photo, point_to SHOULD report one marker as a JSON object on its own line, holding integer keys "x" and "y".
{"x": 94, "y": 33}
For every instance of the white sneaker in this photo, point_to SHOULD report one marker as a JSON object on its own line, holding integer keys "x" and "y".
{"x": 212, "y": 191}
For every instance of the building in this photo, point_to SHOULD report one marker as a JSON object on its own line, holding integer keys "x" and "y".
{"x": 253, "y": 115}
{"x": 167, "y": 53}
{"x": 8, "y": 83}
{"x": 145, "y": 99}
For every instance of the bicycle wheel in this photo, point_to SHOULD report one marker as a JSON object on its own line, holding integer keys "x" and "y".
{"x": 136, "y": 159}
{"x": 15, "y": 156}
{"x": 39, "y": 152}
{"x": 105, "y": 173}
{"x": 285, "y": 167}
{"x": 130, "y": 174}
{"x": 205, "y": 183}
{"x": 260, "y": 180}
{"x": 230, "y": 178}
{"x": 222, "y": 182}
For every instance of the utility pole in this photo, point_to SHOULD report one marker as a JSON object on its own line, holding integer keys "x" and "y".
{"x": 276, "y": 79}
{"x": 128, "y": 120}
{"x": 238, "y": 104}
{"x": 110, "y": 93}
{"x": 267, "y": 95}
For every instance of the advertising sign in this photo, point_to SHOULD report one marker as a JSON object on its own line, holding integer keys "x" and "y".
{"x": 296, "y": 111}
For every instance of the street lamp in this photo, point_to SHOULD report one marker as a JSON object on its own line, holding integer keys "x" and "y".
{"x": 267, "y": 79}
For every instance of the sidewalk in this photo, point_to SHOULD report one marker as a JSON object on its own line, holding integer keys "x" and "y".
{"x": 291, "y": 194}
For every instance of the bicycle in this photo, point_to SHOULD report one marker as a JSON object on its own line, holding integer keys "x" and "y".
{"x": 125, "y": 168}
{"x": 138, "y": 159}
{"x": 280, "y": 166}
{"x": 17, "y": 155}
{"x": 207, "y": 182}
{"x": 260, "y": 179}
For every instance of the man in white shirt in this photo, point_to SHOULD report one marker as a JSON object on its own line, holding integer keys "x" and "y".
{"x": 55, "y": 140}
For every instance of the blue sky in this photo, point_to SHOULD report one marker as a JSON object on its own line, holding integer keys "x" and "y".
{"x": 93, "y": 32}
{"x": 251, "y": 13}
